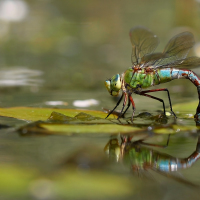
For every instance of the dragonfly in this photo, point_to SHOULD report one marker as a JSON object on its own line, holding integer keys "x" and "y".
{"x": 141, "y": 157}
{"x": 150, "y": 69}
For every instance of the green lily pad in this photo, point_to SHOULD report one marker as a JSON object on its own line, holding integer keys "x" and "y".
{"x": 72, "y": 121}
{"x": 65, "y": 121}
{"x": 172, "y": 129}
{"x": 35, "y": 114}
{"x": 59, "y": 128}
{"x": 98, "y": 128}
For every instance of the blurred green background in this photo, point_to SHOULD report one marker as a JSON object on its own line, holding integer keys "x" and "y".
{"x": 62, "y": 48}
{"x": 77, "y": 44}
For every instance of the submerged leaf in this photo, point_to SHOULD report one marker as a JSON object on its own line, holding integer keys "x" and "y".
{"x": 85, "y": 117}
{"x": 60, "y": 118}
{"x": 81, "y": 118}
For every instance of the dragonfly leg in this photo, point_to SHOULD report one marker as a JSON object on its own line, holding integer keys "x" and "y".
{"x": 115, "y": 106}
{"x": 157, "y": 90}
{"x": 124, "y": 104}
{"x": 129, "y": 103}
{"x": 133, "y": 106}
{"x": 156, "y": 145}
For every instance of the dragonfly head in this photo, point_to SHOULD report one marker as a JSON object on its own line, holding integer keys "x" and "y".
{"x": 114, "y": 85}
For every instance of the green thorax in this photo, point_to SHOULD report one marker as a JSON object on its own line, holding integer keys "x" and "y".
{"x": 144, "y": 78}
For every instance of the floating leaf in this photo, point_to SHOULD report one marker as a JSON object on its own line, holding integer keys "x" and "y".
{"x": 72, "y": 121}
{"x": 98, "y": 128}
{"x": 172, "y": 129}
{"x": 35, "y": 114}
{"x": 50, "y": 128}
{"x": 66, "y": 121}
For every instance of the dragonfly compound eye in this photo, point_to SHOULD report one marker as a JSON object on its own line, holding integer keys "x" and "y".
{"x": 107, "y": 84}
{"x": 115, "y": 85}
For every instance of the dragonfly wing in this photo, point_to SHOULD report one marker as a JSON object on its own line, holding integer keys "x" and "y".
{"x": 180, "y": 45}
{"x": 143, "y": 42}
{"x": 150, "y": 59}
{"x": 187, "y": 63}
{"x": 176, "y": 50}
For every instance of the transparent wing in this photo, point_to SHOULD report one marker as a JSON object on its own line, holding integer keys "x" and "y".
{"x": 150, "y": 59}
{"x": 187, "y": 63}
{"x": 180, "y": 45}
{"x": 176, "y": 50}
{"x": 143, "y": 42}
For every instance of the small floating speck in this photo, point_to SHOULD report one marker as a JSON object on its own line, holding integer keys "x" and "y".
{"x": 168, "y": 113}
{"x": 85, "y": 103}
{"x": 190, "y": 115}
{"x": 56, "y": 103}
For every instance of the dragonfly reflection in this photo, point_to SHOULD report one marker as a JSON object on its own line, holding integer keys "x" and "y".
{"x": 141, "y": 157}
